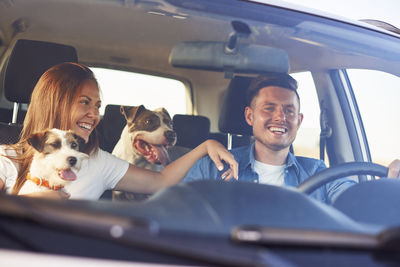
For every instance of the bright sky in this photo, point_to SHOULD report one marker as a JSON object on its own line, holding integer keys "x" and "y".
{"x": 385, "y": 10}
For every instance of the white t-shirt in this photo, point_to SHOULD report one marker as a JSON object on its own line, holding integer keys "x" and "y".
{"x": 270, "y": 174}
{"x": 8, "y": 169}
{"x": 100, "y": 172}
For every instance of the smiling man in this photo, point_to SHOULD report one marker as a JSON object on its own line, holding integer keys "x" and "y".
{"x": 273, "y": 111}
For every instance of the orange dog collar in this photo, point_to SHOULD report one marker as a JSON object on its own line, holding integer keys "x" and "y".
{"x": 41, "y": 182}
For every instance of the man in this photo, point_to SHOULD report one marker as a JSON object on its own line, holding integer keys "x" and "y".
{"x": 273, "y": 111}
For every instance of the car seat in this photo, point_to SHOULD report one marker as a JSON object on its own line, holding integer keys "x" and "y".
{"x": 231, "y": 119}
{"x": 191, "y": 131}
{"x": 110, "y": 127}
{"x": 28, "y": 61}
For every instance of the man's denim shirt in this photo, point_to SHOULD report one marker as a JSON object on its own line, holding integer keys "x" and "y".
{"x": 297, "y": 170}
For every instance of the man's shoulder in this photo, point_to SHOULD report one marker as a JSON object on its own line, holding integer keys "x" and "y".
{"x": 310, "y": 165}
{"x": 302, "y": 159}
{"x": 240, "y": 150}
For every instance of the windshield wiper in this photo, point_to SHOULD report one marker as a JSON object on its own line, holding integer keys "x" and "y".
{"x": 388, "y": 239}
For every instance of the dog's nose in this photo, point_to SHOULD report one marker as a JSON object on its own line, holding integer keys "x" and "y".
{"x": 170, "y": 135}
{"x": 72, "y": 161}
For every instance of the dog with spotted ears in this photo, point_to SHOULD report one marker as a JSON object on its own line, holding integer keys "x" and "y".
{"x": 56, "y": 160}
{"x": 146, "y": 137}
{"x": 144, "y": 142}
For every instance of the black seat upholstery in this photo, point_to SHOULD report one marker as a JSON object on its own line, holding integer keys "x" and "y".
{"x": 231, "y": 119}
{"x": 28, "y": 61}
{"x": 191, "y": 130}
{"x": 9, "y": 133}
{"x": 6, "y": 115}
{"x": 110, "y": 127}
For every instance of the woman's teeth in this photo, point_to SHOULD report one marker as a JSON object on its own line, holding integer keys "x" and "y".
{"x": 85, "y": 126}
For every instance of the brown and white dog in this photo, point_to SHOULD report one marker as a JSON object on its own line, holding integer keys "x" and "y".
{"x": 146, "y": 137}
{"x": 55, "y": 162}
{"x": 144, "y": 142}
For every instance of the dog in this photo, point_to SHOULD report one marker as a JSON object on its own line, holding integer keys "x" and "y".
{"x": 146, "y": 137}
{"x": 57, "y": 157}
{"x": 144, "y": 140}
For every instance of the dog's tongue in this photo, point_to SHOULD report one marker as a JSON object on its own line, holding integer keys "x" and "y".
{"x": 152, "y": 153}
{"x": 67, "y": 174}
{"x": 161, "y": 154}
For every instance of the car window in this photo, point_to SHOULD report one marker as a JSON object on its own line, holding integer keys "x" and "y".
{"x": 307, "y": 140}
{"x": 134, "y": 89}
{"x": 201, "y": 46}
{"x": 369, "y": 86}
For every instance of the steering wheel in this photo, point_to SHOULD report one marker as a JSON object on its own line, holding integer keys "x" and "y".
{"x": 341, "y": 170}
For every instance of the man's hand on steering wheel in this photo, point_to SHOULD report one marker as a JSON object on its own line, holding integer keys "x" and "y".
{"x": 394, "y": 169}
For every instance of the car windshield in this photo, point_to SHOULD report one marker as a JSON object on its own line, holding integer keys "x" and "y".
{"x": 198, "y": 58}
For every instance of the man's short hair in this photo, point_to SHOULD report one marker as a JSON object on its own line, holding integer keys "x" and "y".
{"x": 283, "y": 80}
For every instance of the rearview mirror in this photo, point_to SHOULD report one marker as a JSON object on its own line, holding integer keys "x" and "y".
{"x": 215, "y": 56}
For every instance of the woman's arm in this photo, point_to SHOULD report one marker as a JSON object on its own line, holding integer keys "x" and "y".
{"x": 50, "y": 194}
{"x": 144, "y": 181}
{"x": 1, "y": 184}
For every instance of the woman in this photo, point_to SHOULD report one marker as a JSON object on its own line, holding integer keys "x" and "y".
{"x": 67, "y": 97}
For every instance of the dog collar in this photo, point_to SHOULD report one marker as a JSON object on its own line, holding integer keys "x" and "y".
{"x": 41, "y": 182}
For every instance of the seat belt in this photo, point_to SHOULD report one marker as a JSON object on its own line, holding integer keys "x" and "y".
{"x": 326, "y": 131}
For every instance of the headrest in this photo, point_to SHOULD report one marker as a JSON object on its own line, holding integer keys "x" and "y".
{"x": 231, "y": 118}
{"x": 191, "y": 130}
{"x": 28, "y": 61}
{"x": 9, "y": 133}
{"x": 237, "y": 140}
{"x": 110, "y": 127}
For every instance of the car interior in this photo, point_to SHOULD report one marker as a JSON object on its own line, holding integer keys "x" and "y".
{"x": 215, "y": 52}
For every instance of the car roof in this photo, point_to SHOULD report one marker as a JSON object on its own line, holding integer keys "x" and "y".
{"x": 113, "y": 33}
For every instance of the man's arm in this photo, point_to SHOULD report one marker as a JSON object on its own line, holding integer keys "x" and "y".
{"x": 336, "y": 187}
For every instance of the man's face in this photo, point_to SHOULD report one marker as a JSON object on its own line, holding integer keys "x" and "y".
{"x": 275, "y": 118}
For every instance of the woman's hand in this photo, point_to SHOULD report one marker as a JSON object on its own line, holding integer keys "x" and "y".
{"x": 218, "y": 153}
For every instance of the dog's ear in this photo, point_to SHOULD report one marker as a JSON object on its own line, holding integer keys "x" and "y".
{"x": 81, "y": 142}
{"x": 37, "y": 140}
{"x": 130, "y": 113}
{"x": 164, "y": 112}
{"x": 124, "y": 111}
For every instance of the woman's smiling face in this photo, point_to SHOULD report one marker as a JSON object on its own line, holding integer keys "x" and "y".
{"x": 85, "y": 110}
